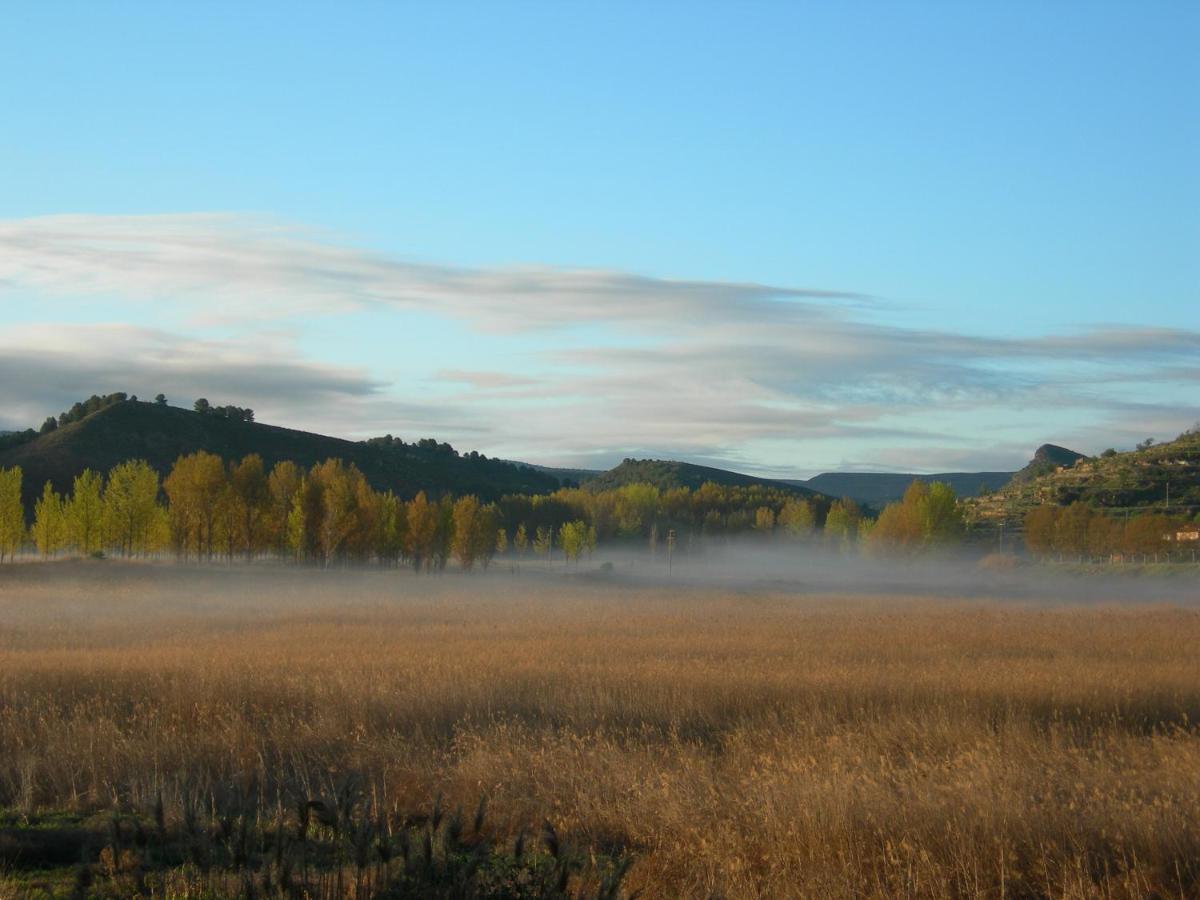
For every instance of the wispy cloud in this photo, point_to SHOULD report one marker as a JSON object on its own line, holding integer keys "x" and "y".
{"x": 219, "y": 262}
{"x": 45, "y": 368}
{"x": 611, "y": 363}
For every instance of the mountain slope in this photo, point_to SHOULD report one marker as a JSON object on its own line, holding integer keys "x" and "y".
{"x": 666, "y": 474}
{"x": 1046, "y": 459}
{"x": 1165, "y": 478}
{"x": 877, "y": 489}
{"x": 160, "y": 434}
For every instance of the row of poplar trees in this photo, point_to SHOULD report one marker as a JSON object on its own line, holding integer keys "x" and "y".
{"x": 214, "y": 510}
{"x": 329, "y": 512}
{"x": 1081, "y": 532}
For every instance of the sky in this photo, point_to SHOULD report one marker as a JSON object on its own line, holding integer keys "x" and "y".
{"x": 780, "y": 238}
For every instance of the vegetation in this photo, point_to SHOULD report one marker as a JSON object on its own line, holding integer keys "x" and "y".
{"x": 727, "y": 745}
{"x": 124, "y": 429}
{"x": 669, "y": 474}
{"x": 1156, "y": 478}
{"x": 1080, "y": 532}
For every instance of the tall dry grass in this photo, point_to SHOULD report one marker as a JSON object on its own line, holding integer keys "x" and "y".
{"x": 738, "y": 744}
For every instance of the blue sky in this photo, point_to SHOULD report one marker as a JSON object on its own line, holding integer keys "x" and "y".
{"x": 780, "y": 237}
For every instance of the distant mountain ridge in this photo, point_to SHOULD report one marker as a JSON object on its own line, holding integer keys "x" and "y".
{"x": 877, "y": 489}
{"x": 160, "y": 434}
{"x": 666, "y": 474}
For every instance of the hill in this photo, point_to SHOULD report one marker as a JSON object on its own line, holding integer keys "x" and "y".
{"x": 876, "y": 489}
{"x": 1046, "y": 459}
{"x": 565, "y": 477}
{"x": 1163, "y": 477}
{"x": 160, "y": 434}
{"x": 666, "y": 474}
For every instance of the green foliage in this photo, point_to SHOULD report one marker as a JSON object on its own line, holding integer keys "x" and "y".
{"x": 160, "y": 434}
{"x": 85, "y": 514}
{"x": 131, "y": 511}
{"x": 929, "y": 516}
{"x": 573, "y": 539}
{"x": 12, "y": 513}
{"x": 49, "y": 522}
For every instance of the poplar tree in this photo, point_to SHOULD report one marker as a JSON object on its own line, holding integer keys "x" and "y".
{"x": 131, "y": 507}
{"x": 422, "y": 530}
{"x": 84, "y": 513}
{"x": 49, "y": 523}
{"x": 250, "y": 495}
{"x": 12, "y": 513}
{"x": 282, "y": 485}
{"x": 194, "y": 487}
{"x": 465, "y": 544}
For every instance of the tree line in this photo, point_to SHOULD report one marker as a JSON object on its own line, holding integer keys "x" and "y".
{"x": 1079, "y": 531}
{"x": 207, "y": 509}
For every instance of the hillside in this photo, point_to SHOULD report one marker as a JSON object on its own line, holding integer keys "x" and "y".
{"x": 666, "y": 474}
{"x": 877, "y": 489}
{"x": 565, "y": 477}
{"x": 1046, "y": 459}
{"x": 1164, "y": 477}
{"x": 160, "y": 434}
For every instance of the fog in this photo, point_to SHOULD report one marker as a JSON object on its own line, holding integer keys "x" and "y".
{"x": 744, "y": 568}
{"x": 750, "y": 566}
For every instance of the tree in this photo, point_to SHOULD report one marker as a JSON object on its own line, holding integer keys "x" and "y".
{"x": 764, "y": 519}
{"x": 282, "y": 485}
{"x": 543, "y": 541}
{"x": 202, "y": 406}
{"x": 12, "y": 513}
{"x": 927, "y": 516}
{"x": 393, "y": 525}
{"x": 443, "y": 535}
{"x": 49, "y": 524}
{"x": 195, "y": 487}
{"x": 250, "y": 495}
{"x": 85, "y": 513}
{"x": 1147, "y": 533}
{"x": 796, "y": 519}
{"x": 339, "y": 505}
{"x": 51, "y": 424}
{"x": 1071, "y": 529}
{"x": 521, "y": 542}
{"x": 941, "y": 517}
{"x": 422, "y": 530}
{"x": 840, "y": 524}
{"x": 466, "y": 527}
{"x": 160, "y": 399}
{"x": 1041, "y": 523}
{"x": 296, "y": 529}
{"x": 131, "y": 507}
{"x": 572, "y": 537}
{"x": 501, "y": 542}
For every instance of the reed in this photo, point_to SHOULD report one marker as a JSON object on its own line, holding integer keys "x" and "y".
{"x": 685, "y": 743}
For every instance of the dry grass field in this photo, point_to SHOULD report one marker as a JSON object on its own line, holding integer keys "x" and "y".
{"x": 728, "y": 743}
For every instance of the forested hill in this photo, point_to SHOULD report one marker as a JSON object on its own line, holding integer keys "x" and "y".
{"x": 159, "y": 434}
{"x": 1163, "y": 477}
{"x": 666, "y": 474}
{"x": 877, "y": 489}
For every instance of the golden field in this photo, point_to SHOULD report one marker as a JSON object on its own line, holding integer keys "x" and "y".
{"x": 732, "y": 743}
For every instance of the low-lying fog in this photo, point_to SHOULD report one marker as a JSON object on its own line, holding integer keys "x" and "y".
{"x": 746, "y": 568}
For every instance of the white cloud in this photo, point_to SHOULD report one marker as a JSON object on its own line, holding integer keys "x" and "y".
{"x": 708, "y": 370}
